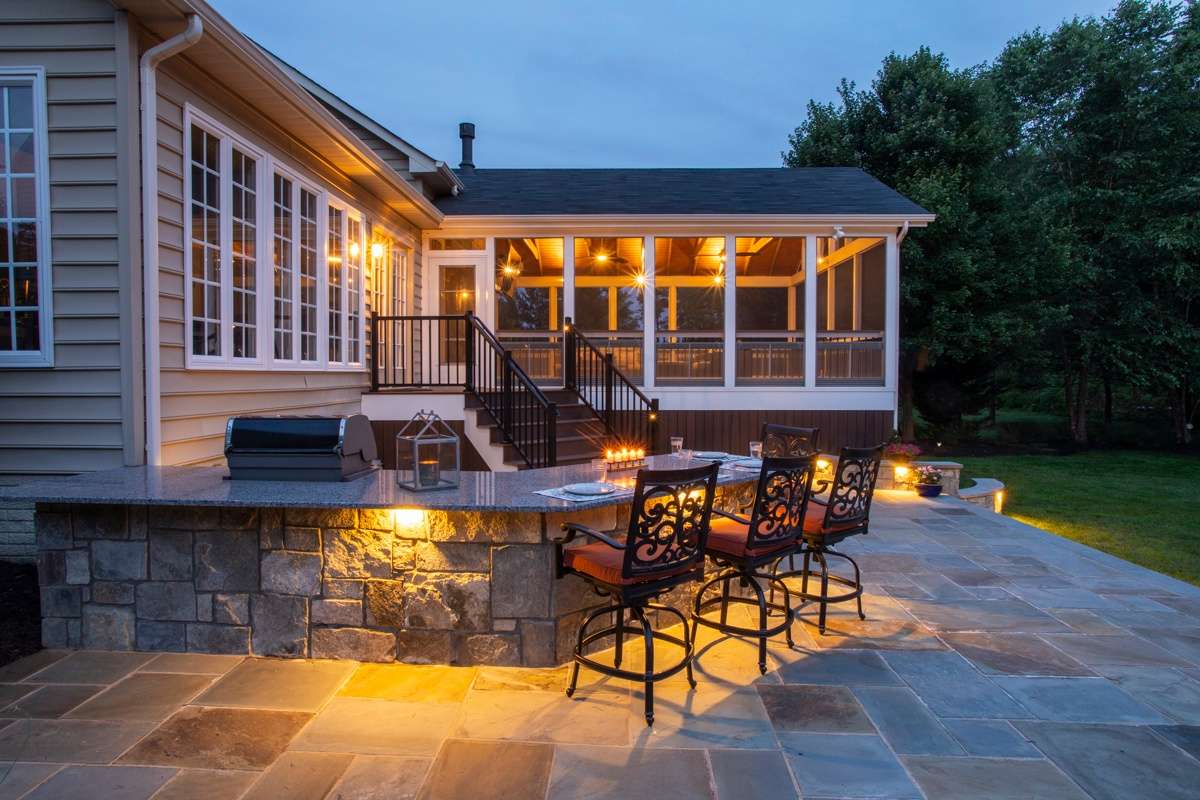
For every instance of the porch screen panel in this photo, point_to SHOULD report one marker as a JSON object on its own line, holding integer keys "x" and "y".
{"x": 851, "y": 299}
{"x": 244, "y": 261}
{"x": 205, "y": 295}
{"x": 334, "y": 255}
{"x": 284, "y": 268}
{"x": 610, "y": 283}
{"x": 308, "y": 276}
{"x": 689, "y": 311}
{"x": 770, "y": 310}
{"x": 529, "y": 294}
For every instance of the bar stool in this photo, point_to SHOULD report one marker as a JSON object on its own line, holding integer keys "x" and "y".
{"x": 844, "y": 514}
{"x": 663, "y": 548}
{"x": 740, "y": 547}
{"x": 785, "y": 440}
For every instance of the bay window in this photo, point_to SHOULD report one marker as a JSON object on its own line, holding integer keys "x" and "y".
{"x": 313, "y": 279}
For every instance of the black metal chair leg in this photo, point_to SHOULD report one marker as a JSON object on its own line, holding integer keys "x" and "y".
{"x": 689, "y": 639}
{"x": 578, "y": 651}
{"x": 804, "y": 574}
{"x": 787, "y": 603}
{"x": 725, "y": 599}
{"x": 648, "y": 633}
{"x": 857, "y": 585}
{"x": 620, "y": 635}
{"x": 824, "y": 591}
{"x": 762, "y": 624}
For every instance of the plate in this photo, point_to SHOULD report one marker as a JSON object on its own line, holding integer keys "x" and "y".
{"x": 749, "y": 463}
{"x": 711, "y": 455}
{"x": 590, "y": 489}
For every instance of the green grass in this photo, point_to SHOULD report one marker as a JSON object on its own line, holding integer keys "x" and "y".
{"x": 1143, "y": 507}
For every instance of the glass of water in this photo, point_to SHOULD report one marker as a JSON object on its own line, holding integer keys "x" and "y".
{"x": 600, "y": 469}
{"x": 756, "y": 449}
{"x": 676, "y": 445}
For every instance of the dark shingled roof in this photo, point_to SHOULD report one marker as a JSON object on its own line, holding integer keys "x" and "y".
{"x": 811, "y": 190}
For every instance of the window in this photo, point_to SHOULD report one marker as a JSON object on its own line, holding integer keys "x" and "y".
{"x": 316, "y": 288}
{"x": 770, "y": 310}
{"x": 851, "y": 289}
{"x": 285, "y": 273}
{"x": 25, "y": 317}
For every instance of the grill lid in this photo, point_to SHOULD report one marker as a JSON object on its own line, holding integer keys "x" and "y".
{"x": 293, "y": 434}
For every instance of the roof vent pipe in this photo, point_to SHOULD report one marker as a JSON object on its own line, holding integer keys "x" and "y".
{"x": 466, "y": 132}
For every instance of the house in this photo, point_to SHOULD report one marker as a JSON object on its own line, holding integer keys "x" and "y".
{"x": 193, "y": 229}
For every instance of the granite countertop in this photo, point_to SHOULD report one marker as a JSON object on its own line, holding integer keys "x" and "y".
{"x": 207, "y": 486}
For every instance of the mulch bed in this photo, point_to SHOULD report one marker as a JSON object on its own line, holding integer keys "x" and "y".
{"x": 20, "y": 611}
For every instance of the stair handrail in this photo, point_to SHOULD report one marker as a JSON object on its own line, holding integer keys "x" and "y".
{"x": 614, "y": 378}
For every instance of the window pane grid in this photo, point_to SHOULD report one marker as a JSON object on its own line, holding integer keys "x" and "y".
{"x": 334, "y": 255}
{"x": 308, "y": 276}
{"x": 354, "y": 292}
{"x": 245, "y": 255}
{"x": 284, "y": 272}
{"x": 20, "y": 323}
{"x": 206, "y": 243}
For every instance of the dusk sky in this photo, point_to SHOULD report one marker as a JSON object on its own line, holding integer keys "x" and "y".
{"x": 628, "y": 83}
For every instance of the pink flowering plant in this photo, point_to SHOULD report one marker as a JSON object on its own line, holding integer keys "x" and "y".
{"x": 901, "y": 451}
{"x": 928, "y": 476}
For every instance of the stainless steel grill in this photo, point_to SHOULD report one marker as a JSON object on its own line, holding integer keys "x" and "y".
{"x": 299, "y": 448}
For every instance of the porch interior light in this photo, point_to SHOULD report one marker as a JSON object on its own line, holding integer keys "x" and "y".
{"x": 377, "y": 250}
{"x": 639, "y": 280}
{"x": 602, "y": 257}
{"x": 509, "y": 270}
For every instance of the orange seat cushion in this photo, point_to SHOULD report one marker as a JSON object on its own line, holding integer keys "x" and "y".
{"x": 814, "y": 522}
{"x": 728, "y": 537}
{"x": 604, "y": 563}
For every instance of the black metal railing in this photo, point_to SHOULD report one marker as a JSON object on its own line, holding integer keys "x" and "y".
{"x": 459, "y": 350}
{"x": 630, "y": 417}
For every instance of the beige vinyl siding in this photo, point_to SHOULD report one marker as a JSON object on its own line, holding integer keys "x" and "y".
{"x": 73, "y": 416}
{"x": 196, "y": 403}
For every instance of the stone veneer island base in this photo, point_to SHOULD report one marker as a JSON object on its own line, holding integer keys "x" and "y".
{"x": 374, "y": 585}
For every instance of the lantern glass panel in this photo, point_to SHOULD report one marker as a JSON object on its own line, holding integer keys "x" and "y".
{"x": 428, "y": 454}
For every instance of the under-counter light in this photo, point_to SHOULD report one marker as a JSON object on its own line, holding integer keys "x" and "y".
{"x": 408, "y": 517}
{"x": 998, "y": 502}
{"x": 901, "y": 473}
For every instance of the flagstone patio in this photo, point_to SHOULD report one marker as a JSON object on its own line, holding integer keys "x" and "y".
{"x": 997, "y": 661}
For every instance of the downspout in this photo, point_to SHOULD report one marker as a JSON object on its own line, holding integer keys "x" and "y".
{"x": 902, "y": 234}
{"x": 149, "y": 135}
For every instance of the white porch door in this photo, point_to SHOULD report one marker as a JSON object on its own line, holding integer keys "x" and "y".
{"x": 452, "y": 291}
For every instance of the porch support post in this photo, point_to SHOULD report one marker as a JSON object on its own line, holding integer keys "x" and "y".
{"x": 891, "y": 320}
{"x": 648, "y": 313}
{"x": 730, "y": 277}
{"x": 568, "y": 303}
{"x": 810, "y": 311}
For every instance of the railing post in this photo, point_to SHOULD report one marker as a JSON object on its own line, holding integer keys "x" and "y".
{"x": 374, "y": 353}
{"x": 569, "y": 354}
{"x": 653, "y": 432}
{"x": 506, "y": 408}
{"x": 609, "y": 389}
{"x": 552, "y": 435}
{"x": 469, "y": 351}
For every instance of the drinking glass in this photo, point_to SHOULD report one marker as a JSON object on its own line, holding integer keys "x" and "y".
{"x": 756, "y": 449}
{"x": 676, "y": 445}
{"x": 599, "y": 469}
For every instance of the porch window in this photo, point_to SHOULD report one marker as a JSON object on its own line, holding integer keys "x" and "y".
{"x": 770, "y": 310}
{"x": 244, "y": 252}
{"x": 334, "y": 256}
{"x": 25, "y": 318}
{"x": 689, "y": 311}
{"x": 851, "y": 302}
{"x": 284, "y": 267}
{"x": 610, "y": 282}
{"x": 529, "y": 296}
{"x": 206, "y": 244}
{"x": 308, "y": 276}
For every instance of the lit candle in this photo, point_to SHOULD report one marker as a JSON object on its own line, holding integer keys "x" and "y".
{"x": 429, "y": 472}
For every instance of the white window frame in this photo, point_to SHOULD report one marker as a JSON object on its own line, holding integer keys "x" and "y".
{"x": 267, "y": 167}
{"x": 44, "y": 355}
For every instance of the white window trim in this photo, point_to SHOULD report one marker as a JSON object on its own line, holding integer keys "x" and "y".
{"x": 267, "y": 166}
{"x": 44, "y": 355}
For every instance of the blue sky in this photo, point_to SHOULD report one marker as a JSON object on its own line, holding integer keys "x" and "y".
{"x": 617, "y": 83}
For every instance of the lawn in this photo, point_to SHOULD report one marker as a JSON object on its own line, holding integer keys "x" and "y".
{"x": 1140, "y": 506}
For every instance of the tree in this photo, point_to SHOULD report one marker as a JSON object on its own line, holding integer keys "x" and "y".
{"x": 936, "y": 135}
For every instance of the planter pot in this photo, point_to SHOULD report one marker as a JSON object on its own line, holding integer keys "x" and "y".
{"x": 929, "y": 489}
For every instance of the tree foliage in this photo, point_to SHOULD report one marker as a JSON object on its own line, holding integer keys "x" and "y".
{"x": 1064, "y": 177}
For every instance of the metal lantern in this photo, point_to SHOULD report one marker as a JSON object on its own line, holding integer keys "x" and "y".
{"x": 428, "y": 455}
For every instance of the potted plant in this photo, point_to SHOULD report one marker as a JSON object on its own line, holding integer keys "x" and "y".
{"x": 928, "y": 481}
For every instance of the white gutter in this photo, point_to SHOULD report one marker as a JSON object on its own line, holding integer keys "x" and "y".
{"x": 903, "y": 233}
{"x": 149, "y": 134}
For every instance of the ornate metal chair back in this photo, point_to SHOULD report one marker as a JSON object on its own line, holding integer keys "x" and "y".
{"x": 849, "y": 504}
{"x": 784, "y": 486}
{"x": 668, "y": 523}
{"x": 785, "y": 441}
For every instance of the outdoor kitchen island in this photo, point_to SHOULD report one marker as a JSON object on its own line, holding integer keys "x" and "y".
{"x": 182, "y": 559}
